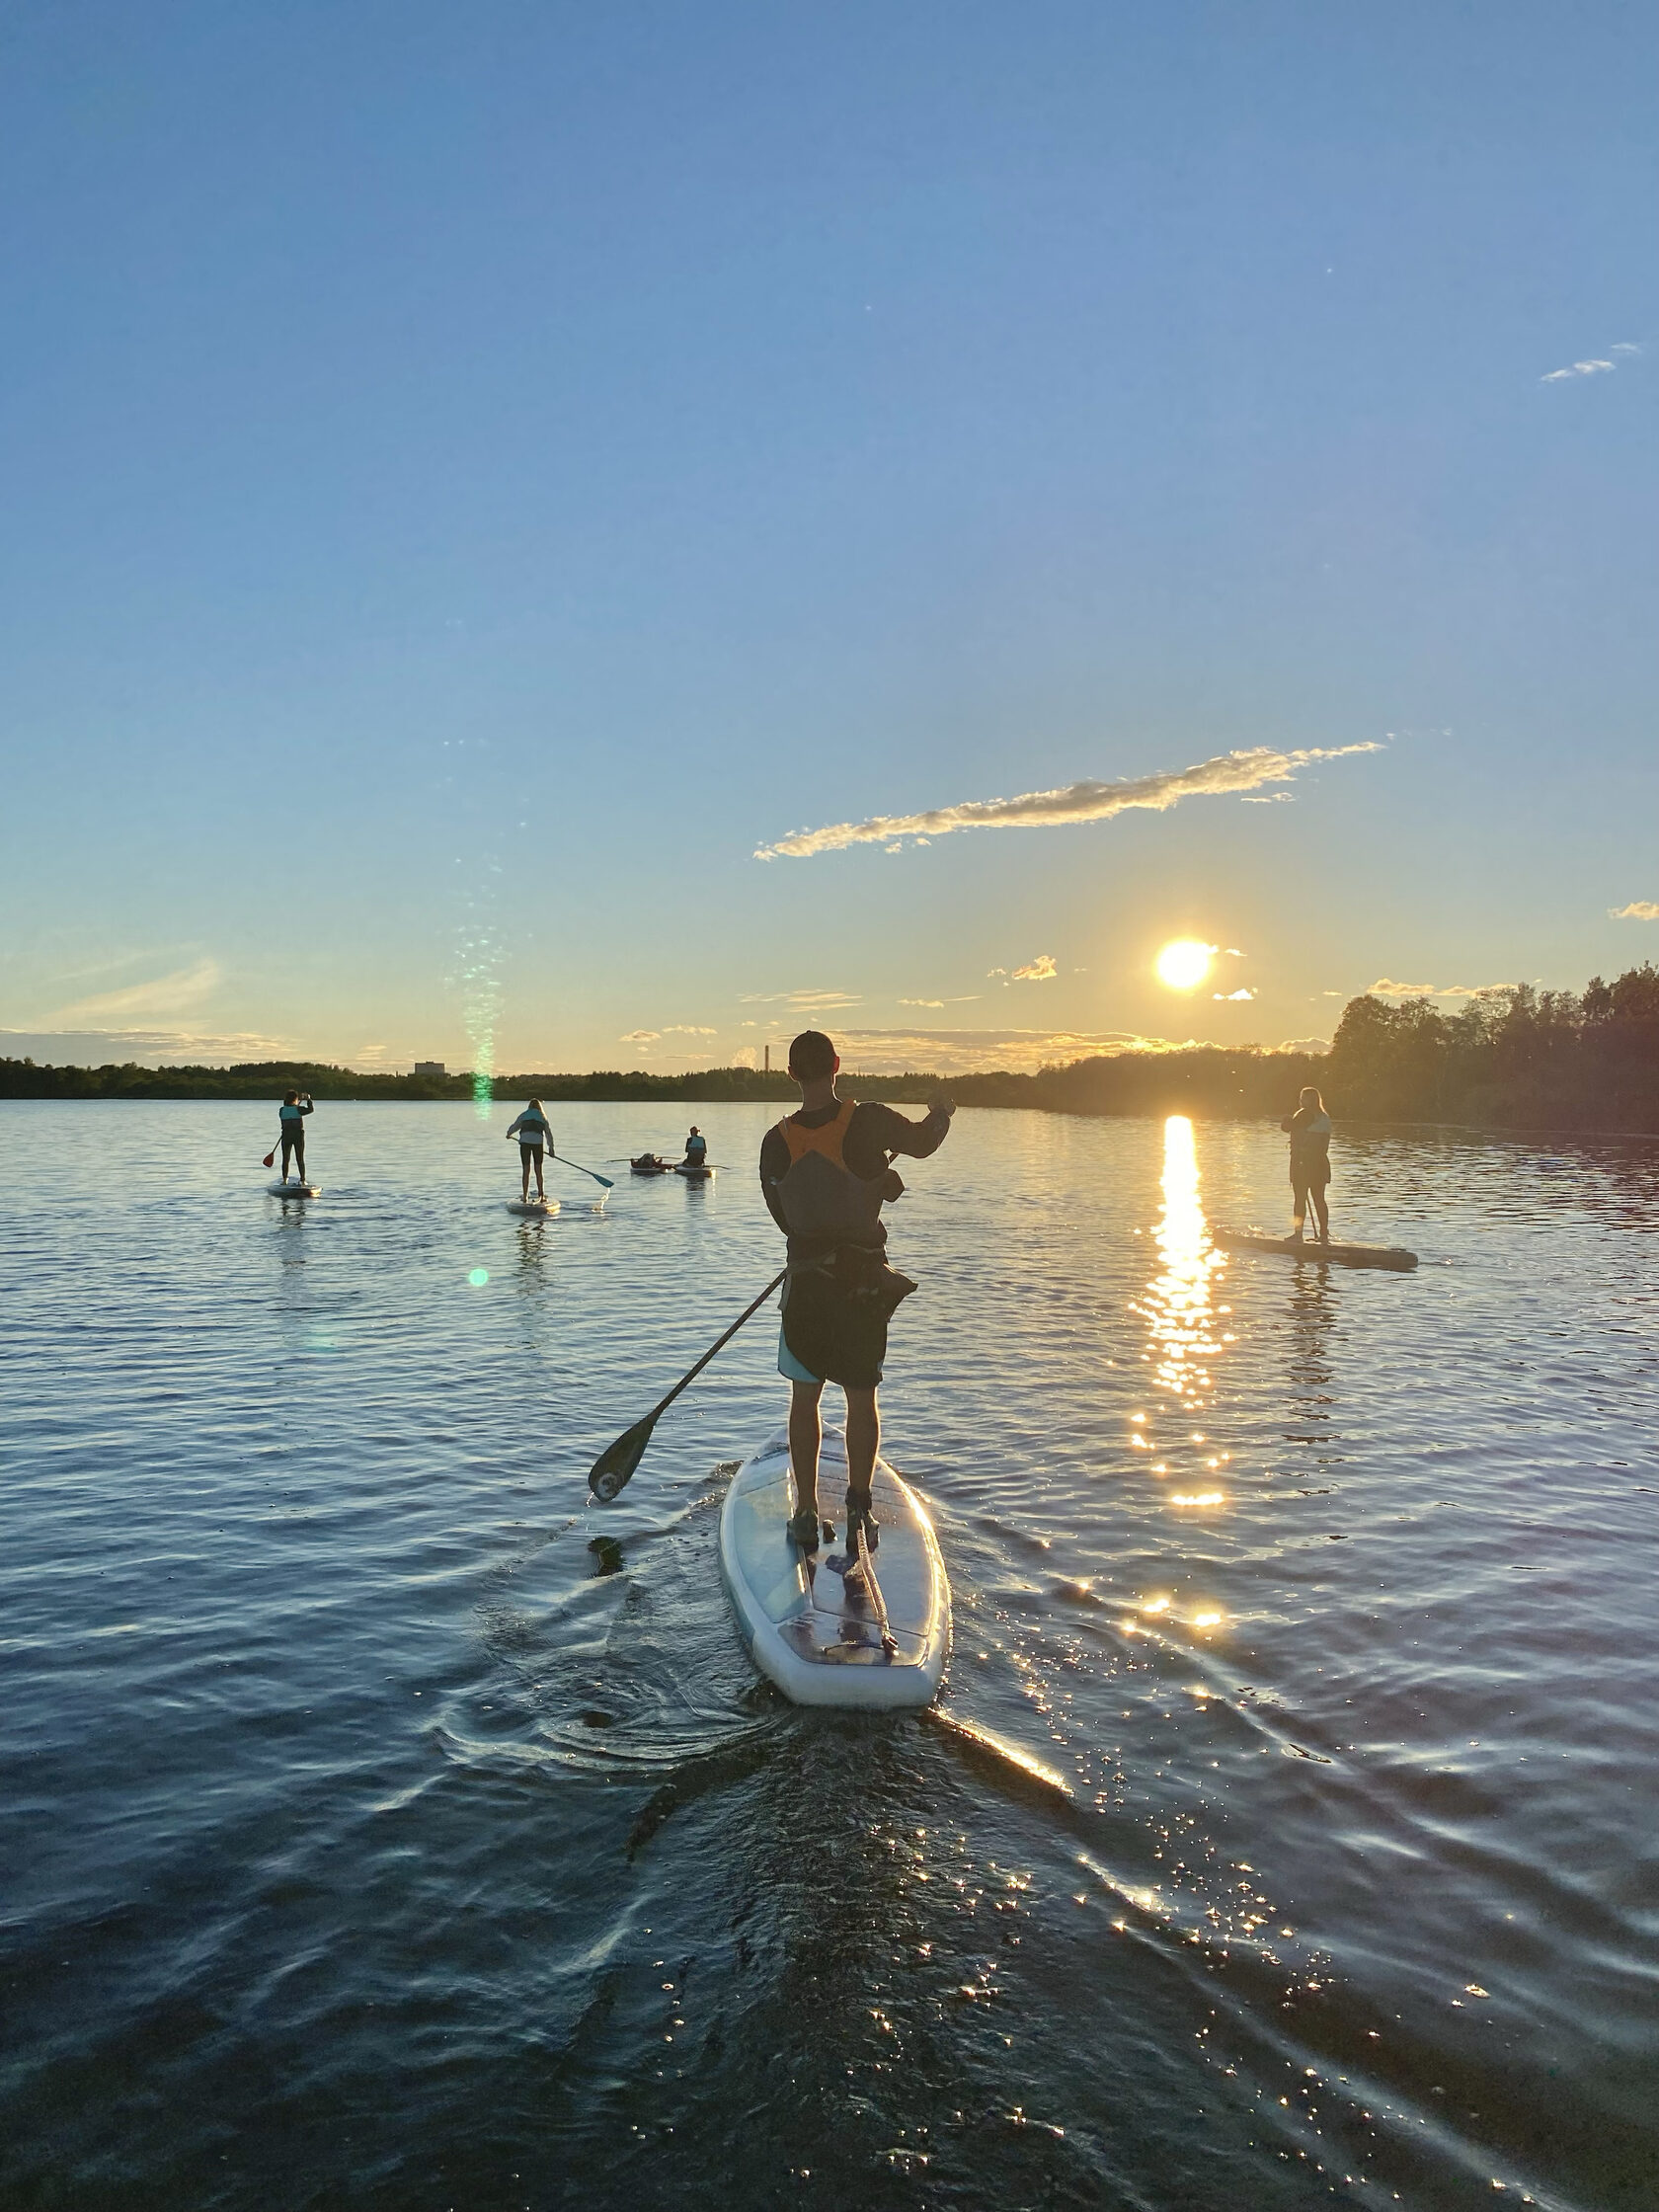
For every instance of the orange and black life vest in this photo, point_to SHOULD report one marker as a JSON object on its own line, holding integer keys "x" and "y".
{"x": 822, "y": 1199}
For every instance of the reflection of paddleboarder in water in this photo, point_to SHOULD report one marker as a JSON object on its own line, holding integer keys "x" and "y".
{"x": 1309, "y": 1129}
{"x": 824, "y": 1172}
{"x": 532, "y": 1129}
{"x": 296, "y": 1104}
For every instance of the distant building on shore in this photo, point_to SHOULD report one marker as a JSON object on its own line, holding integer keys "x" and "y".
{"x": 429, "y": 1067}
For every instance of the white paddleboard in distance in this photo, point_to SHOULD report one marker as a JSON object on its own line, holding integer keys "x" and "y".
{"x": 295, "y": 1190}
{"x": 534, "y": 1209}
{"x": 808, "y": 1629}
{"x": 696, "y": 1175}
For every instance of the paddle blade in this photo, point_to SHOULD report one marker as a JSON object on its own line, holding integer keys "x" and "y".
{"x": 270, "y": 1159}
{"x": 611, "y": 1472}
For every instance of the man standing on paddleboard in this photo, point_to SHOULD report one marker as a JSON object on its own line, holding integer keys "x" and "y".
{"x": 824, "y": 1173}
{"x": 291, "y": 1113}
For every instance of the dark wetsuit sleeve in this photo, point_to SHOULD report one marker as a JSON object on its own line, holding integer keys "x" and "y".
{"x": 877, "y": 1132}
{"x": 774, "y": 1166}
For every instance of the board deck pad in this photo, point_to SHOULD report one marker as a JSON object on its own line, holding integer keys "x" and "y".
{"x": 1308, "y": 1249}
{"x": 535, "y": 1209}
{"x": 811, "y": 1629}
{"x": 295, "y": 1190}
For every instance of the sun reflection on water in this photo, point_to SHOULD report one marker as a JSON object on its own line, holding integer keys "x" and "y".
{"x": 1178, "y": 1305}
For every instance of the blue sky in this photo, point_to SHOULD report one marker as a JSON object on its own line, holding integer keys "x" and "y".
{"x": 474, "y": 477}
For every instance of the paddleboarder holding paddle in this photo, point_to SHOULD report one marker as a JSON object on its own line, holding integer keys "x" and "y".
{"x": 532, "y": 1129}
{"x": 296, "y": 1104}
{"x": 824, "y": 1173}
{"x": 1309, "y": 1129}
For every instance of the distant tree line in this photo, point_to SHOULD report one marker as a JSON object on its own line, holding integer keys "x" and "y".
{"x": 1513, "y": 1058}
{"x": 1517, "y": 1058}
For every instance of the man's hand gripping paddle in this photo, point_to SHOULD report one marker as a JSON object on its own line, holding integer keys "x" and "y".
{"x": 613, "y": 1470}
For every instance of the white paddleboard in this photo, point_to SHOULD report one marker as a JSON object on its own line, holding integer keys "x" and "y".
{"x": 696, "y": 1175}
{"x": 808, "y": 1627}
{"x": 536, "y": 1207}
{"x": 295, "y": 1190}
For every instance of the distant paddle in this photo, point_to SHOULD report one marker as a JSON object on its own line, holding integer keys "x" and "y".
{"x": 581, "y": 1170}
{"x": 613, "y": 1470}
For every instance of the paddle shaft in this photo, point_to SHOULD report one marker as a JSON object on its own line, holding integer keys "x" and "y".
{"x": 579, "y": 1170}
{"x": 719, "y": 1345}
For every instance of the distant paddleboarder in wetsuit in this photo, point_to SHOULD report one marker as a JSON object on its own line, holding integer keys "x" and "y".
{"x": 824, "y": 1172}
{"x": 296, "y": 1104}
{"x": 1309, "y": 1129}
{"x": 696, "y": 1150}
{"x": 534, "y": 1129}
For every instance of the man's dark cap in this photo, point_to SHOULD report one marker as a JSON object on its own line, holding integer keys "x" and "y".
{"x": 812, "y": 1055}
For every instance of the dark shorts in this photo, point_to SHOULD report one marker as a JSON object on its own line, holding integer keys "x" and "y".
{"x": 293, "y": 1133}
{"x": 530, "y": 1154}
{"x": 835, "y": 1317}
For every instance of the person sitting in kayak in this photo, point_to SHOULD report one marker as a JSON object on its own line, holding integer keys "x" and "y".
{"x": 1309, "y": 1129}
{"x": 532, "y": 1129}
{"x": 696, "y": 1150}
{"x": 296, "y": 1104}
{"x": 824, "y": 1173}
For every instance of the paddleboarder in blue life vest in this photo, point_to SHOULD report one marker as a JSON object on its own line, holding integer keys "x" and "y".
{"x": 1309, "y": 1129}
{"x": 534, "y": 1129}
{"x": 696, "y": 1150}
{"x": 826, "y": 1172}
{"x": 296, "y": 1104}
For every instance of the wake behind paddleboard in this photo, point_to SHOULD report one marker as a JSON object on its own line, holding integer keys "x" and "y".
{"x": 294, "y": 1190}
{"x": 533, "y": 1209}
{"x": 1306, "y": 1248}
{"x": 810, "y": 1628}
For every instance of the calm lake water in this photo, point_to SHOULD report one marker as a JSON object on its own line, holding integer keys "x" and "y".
{"x": 383, "y": 1827}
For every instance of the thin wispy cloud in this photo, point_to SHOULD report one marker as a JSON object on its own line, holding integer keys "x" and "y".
{"x": 968, "y": 1052}
{"x": 179, "y": 992}
{"x": 97, "y": 1048}
{"x": 803, "y": 1002}
{"x": 1042, "y": 970}
{"x": 1228, "y": 997}
{"x": 1596, "y": 365}
{"x": 1386, "y": 988}
{"x": 1228, "y": 773}
{"x": 639, "y": 1037}
{"x": 687, "y": 1029}
{"x": 1639, "y": 909}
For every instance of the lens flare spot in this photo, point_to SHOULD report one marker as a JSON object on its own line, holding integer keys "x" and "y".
{"x": 479, "y": 1277}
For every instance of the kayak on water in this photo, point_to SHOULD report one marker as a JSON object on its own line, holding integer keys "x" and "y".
{"x": 1308, "y": 1249}
{"x": 649, "y": 1164}
{"x": 294, "y": 1190}
{"x": 811, "y": 1628}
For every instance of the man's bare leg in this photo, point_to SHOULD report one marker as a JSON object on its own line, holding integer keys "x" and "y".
{"x": 863, "y": 1441}
{"x": 863, "y": 1438}
{"x": 805, "y": 1433}
{"x": 1321, "y": 1213}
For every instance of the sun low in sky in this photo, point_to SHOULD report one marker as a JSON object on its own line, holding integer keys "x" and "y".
{"x": 1184, "y": 963}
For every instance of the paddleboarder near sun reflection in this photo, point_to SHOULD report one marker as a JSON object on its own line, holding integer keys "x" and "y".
{"x": 1309, "y": 1129}
{"x": 826, "y": 1172}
